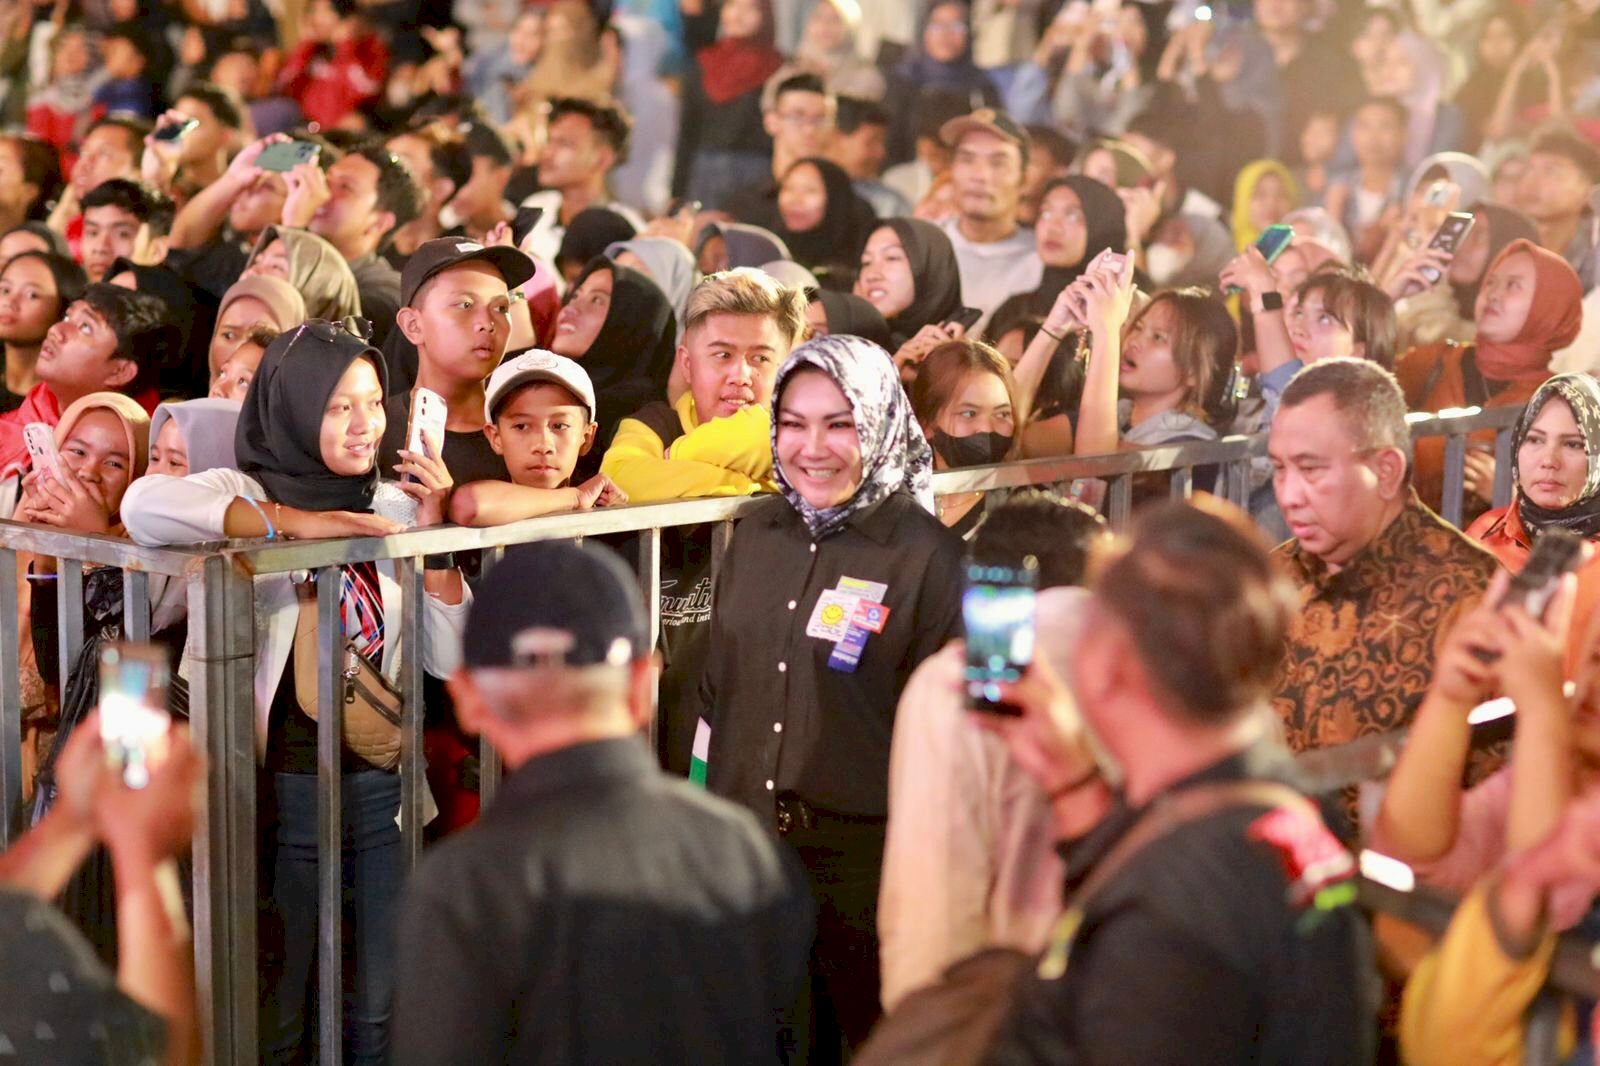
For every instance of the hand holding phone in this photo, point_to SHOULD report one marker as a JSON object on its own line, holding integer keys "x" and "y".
{"x": 284, "y": 156}
{"x": 429, "y": 413}
{"x": 966, "y": 318}
{"x": 1447, "y": 239}
{"x": 523, "y": 223}
{"x": 174, "y": 129}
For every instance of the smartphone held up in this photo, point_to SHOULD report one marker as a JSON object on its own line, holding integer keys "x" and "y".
{"x": 135, "y": 724}
{"x": 997, "y": 609}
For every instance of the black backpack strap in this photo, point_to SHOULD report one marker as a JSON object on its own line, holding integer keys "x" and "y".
{"x": 662, "y": 420}
{"x": 1473, "y": 386}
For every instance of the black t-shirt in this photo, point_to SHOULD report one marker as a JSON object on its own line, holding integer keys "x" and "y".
{"x": 468, "y": 456}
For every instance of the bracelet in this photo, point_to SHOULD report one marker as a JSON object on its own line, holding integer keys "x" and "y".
{"x": 1052, "y": 334}
{"x": 1089, "y": 777}
{"x": 272, "y": 531}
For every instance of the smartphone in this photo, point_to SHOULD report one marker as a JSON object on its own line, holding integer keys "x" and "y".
{"x": 966, "y": 318}
{"x": 1273, "y": 242}
{"x": 134, "y": 720}
{"x": 998, "y": 611}
{"x": 41, "y": 443}
{"x": 1447, "y": 238}
{"x": 1555, "y": 554}
{"x": 284, "y": 156}
{"x": 428, "y": 412}
{"x": 173, "y": 131}
{"x": 1111, "y": 261}
{"x": 522, "y": 225}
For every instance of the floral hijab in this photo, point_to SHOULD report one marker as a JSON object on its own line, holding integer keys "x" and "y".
{"x": 894, "y": 454}
{"x": 1581, "y": 392}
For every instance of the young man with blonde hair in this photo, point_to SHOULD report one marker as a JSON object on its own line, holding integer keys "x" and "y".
{"x": 715, "y": 440}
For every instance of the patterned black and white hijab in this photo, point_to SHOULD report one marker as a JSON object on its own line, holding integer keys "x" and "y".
{"x": 894, "y": 454}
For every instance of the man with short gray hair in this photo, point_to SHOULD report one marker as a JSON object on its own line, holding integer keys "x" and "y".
{"x": 1378, "y": 577}
{"x": 599, "y": 911}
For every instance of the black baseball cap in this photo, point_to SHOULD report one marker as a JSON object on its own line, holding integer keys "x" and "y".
{"x": 559, "y": 603}
{"x": 442, "y": 253}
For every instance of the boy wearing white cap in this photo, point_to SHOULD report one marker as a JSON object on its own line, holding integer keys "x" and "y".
{"x": 539, "y": 416}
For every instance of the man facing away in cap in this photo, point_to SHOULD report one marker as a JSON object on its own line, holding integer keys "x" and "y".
{"x": 599, "y": 911}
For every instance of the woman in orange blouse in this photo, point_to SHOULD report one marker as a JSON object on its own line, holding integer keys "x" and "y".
{"x": 1529, "y": 307}
{"x": 1556, "y": 477}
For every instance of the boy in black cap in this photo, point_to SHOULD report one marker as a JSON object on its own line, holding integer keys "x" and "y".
{"x": 632, "y": 917}
{"x": 539, "y": 417}
{"x": 457, "y": 298}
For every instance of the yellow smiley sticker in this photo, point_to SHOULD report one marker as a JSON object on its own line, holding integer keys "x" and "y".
{"x": 832, "y": 614}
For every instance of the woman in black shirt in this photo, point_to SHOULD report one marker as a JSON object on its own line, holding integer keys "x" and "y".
{"x": 828, "y": 598}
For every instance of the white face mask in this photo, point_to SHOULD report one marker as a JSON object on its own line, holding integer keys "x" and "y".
{"x": 1163, "y": 262}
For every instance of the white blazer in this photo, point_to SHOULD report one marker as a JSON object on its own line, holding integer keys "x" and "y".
{"x": 159, "y": 510}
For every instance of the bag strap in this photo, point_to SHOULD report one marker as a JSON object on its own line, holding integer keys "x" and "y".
{"x": 662, "y": 420}
{"x": 1473, "y": 386}
{"x": 1179, "y": 809}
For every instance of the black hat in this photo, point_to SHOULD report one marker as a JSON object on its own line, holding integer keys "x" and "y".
{"x": 442, "y": 253}
{"x": 556, "y": 602}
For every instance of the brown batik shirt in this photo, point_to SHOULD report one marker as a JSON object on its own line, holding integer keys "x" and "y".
{"x": 1363, "y": 641}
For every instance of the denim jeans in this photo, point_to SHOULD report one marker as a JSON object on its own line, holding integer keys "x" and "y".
{"x": 373, "y": 870}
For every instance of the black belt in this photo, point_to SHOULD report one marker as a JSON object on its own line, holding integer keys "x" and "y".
{"x": 794, "y": 814}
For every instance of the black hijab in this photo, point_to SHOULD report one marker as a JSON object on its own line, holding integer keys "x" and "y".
{"x": 278, "y": 441}
{"x": 849, "y": 314}
{"x": 847, "y": 221}
{"x": 1505, "y": 225}
{"x": 592, "y": 231}
{"x": 1581, "y": 393}
{"x": 1106, "y": 222}
{"x": 935, "y": 274}
{"x": 631, "y": 357}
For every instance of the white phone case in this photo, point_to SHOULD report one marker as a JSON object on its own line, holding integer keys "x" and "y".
{"x": 41, "y": 442}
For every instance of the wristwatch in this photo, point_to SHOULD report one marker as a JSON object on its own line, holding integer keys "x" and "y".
{"x": 1272, "y": 301}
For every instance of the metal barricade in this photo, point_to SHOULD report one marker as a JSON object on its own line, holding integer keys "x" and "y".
{"x": 221, "y": 657}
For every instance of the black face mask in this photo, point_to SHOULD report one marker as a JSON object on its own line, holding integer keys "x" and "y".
{"x": 974, "y": 450}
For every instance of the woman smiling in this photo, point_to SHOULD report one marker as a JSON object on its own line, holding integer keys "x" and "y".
{"x": 799, "y": 701}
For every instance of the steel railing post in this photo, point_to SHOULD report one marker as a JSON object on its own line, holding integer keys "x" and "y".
{"x": 222, "y": 720}
{"x": 330, "y": 818}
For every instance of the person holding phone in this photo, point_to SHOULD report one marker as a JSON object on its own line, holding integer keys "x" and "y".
{"x": 457, "y": 310}
{"x": 798, "y": 700}
{"x": 144, "y": 1009}
{"x": 1435, "y": 287}
{"x": 970, "y": 854}
{"x": 1233, "y": 935}
{"x": 1529, "y": 307}
{"x": 1157, "y": 375}
{"x": 307, "y": 446}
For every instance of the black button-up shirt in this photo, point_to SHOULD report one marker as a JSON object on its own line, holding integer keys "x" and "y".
{"x": 600, "y": 912}
{"x": 781, "y": 718}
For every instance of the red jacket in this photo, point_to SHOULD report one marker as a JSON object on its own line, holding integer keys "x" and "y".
{"x": 329, "y": 85}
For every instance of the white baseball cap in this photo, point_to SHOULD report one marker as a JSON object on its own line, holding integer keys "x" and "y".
{"x": 537, "y": 365}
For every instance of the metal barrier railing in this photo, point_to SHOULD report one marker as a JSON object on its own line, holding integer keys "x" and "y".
{"x": 219, "y": 580}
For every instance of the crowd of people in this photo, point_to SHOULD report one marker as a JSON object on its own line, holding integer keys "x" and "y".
{"x": 629, "y": 251}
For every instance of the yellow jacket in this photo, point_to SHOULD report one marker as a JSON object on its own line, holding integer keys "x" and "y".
{"x": 729, "y": 456}
{"x": 1464, "y": 1004}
